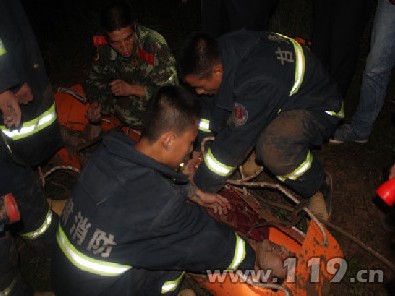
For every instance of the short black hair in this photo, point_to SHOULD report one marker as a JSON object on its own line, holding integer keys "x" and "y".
{"x": 117, "y": 15}
{"x": 171, "y": 109}
{"x": 199, "y": 54}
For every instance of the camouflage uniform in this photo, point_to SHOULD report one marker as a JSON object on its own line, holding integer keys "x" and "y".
{"x": 150, "y": 65}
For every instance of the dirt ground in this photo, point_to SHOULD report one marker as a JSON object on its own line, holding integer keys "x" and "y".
{"x": 64, "y": 30}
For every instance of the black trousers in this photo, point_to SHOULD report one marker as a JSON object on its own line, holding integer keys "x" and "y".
{"x": 33, "y": 208}
{"x": 285, "y": 143}
{"x": 337, "y": 28}
{"x": 221, "y": 16}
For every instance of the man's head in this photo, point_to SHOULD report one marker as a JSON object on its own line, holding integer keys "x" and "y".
{"x": 170, "y": 127}
{"x": 118, "y": 21}
{"x": 201, "y": 64}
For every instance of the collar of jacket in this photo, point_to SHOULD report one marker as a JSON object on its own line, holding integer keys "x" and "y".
{"x": 120, "y": 145}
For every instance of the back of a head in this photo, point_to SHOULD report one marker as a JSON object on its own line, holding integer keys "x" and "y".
{"x": 171, "y": 109}
{"x": 199, "y": 54}
{"x": 117, "y": 15}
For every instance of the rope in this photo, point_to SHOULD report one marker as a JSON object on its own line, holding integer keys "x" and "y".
{"x": 338, "y": 229}
{"x": 42, "y": 176}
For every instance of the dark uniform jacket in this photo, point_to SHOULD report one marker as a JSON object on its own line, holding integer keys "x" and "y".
{"x": 129, "y": 221}
{"x": 264, "y": 73}
{"x": 20, "y": 62}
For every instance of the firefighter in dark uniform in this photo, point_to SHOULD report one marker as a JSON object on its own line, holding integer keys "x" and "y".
{"x": 29, "y": 135}
{"x": 129, "y": 228}
{"x": 263, "y": 91}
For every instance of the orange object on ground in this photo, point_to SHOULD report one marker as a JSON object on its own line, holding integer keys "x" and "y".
{"x": 71, "y": 114}
{"x": 316, "y": 254}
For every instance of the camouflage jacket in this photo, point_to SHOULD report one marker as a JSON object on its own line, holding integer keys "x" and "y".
{"x": 151, "y": 65}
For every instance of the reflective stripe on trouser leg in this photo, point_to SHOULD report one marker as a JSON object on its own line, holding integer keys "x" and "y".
{"x": 309, "y": 183}
{"x": 284, "y": 149}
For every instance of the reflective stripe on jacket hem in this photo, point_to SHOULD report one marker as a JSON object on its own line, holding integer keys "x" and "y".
{"x": 85, "y": 263}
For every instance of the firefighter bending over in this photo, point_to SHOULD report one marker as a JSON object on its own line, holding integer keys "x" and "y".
{"x": 262, "y": 90}
{"x": 129, "y": 228}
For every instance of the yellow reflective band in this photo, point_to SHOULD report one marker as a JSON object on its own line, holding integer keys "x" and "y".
{"x": 204, "y": 125}
{"x": 299, "y": 65}
{"x": 171, "y": 285}
{"x": 300, "y": 170}
{"x": 339, "y": 114}
{"x": 39, "y": 231}
{"x": 240, "y": 253}
{"x": 86, "y": 263}
{"x": 2, "y": 48}
{"x": 215, "y": 166}
{"x": 33, "y": 126}
{"x": 7, "y": 291}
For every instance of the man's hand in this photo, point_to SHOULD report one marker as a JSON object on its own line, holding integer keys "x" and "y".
{"x": 94, "y": 112}
{"x": 9, "y": 106}
{"x": 190, "y": 168}
{"x": 24, "y": 94}
{"x": 121, "y": 88}
{"x": 212, "y": 201}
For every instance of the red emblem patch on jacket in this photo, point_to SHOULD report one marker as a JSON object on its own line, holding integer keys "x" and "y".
{"x": 146, "y": 56}
{"x": 240, "y": 114}
{"x": 99, "y": 40}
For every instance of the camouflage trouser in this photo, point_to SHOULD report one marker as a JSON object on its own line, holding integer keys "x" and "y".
{"x": 37, "y": 225}
{"x": 285, "y": 144}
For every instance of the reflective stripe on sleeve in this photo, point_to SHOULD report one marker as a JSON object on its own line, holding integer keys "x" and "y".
{"x": 299, "y": 65}
{"x": 339, "y": 114}
{"x": 39, "y": 231}
{"x": 300, "y": 170}
{"x": 2, "y": 48}
{"x": 240, "y": 253}
{"x": 215, "y": 166}
{"x": 170, "y": 286}
{"x": 33, "y": 126}
{"x": 85, "y": 263}
{"x": 204, "y": 125}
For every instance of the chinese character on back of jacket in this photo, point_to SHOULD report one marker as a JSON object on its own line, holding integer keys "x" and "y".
{"x": 151, "y": 65}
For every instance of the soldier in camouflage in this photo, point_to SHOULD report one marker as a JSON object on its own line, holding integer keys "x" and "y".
{"x": 128, "y": 69}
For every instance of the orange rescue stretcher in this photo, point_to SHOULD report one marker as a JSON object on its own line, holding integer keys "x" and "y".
{"x": 317, "y": 253}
